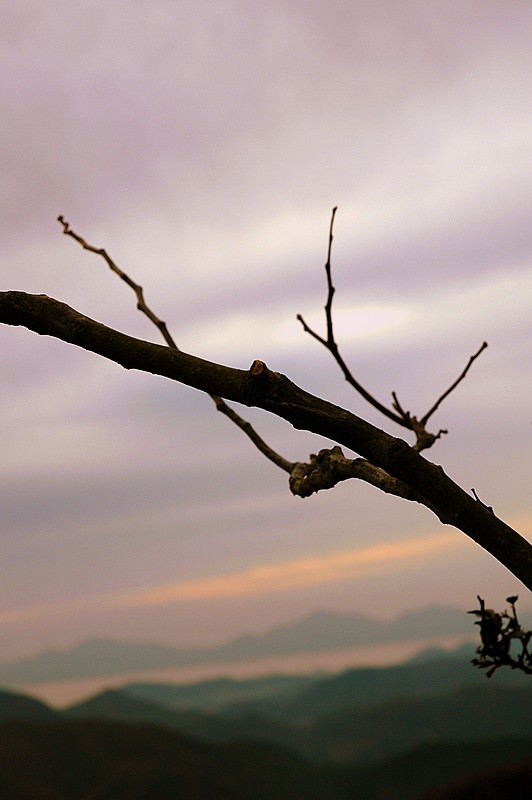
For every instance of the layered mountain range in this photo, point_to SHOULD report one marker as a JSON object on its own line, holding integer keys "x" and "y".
{"x": 363, "y": 733}
{"x": 322, "y": 630}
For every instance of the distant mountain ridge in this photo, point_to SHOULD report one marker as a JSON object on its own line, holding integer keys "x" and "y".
{"x": 322, "y": 630}
{"x": 356, "y": 717}
{"x": 350, "y": 734}
{"x": 361, "y": 732}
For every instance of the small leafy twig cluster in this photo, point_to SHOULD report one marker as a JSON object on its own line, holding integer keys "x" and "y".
{"x": 498, "y": 632}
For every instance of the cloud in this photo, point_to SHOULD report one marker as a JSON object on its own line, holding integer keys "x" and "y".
{"x": 481, "y": 306}
{"x": 296, "y": 574}
{"x": 281, "y": 577}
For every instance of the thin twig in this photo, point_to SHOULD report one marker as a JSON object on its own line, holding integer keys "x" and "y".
{"x": 332, "y": 346}
{"x": 221, "y": 405}
{"x": 424, "y": 439}
{"x": 141, "y": 305}
{"x": 461, "y": 377}
{"x": 331, "y": 289}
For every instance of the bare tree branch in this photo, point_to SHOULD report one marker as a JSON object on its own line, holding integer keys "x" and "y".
{"x": 330, "y": 342}
{"x": 320, "y": 478}
{"x": 220, "y": 404}
{"x": 385, "y": 462}
{"x": 275, "y": 393}
{"x": 424, "y": 439}
{"x": 330, "y": 467}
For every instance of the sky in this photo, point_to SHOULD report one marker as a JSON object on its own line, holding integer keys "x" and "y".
{"x": 204, "y": 146}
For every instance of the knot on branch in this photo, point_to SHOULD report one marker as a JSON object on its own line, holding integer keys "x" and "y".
{"x": 329, "y": 467}
{"x": 498, "y": 631}
{"x": 323, "y": 471}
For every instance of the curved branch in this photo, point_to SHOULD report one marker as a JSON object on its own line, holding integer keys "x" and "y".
{"x": 275, "y": 393}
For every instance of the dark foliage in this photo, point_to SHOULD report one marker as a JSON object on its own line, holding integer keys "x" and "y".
{"x": 504, "y": 642}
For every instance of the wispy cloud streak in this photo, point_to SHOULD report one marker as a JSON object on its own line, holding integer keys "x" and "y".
{"x": 300, "y": 573}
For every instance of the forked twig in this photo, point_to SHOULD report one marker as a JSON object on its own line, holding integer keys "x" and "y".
{"x": 220, "y": 404}
{"x": 424, "y": 439}
{"x": 330, "y": 342}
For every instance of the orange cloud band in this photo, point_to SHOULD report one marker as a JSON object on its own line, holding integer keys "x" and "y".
{"x": 291, "y": 575}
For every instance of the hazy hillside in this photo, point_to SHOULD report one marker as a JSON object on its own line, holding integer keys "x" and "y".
{"x": 19, "y": 706}
{"x": 352, "y": 734}
{"x": 118, "y": 706}
{"x": 219, "y": 693}
{"x": 292, "y": 698}
{"x": 431, "y": 767}
{"x": 360, "y": 687}
{"x": 319, "y": 631}
{"x": 363, "y": 734}
{"x": 369, "y": 733}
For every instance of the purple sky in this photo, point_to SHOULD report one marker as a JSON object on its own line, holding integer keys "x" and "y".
{"x": 204, "y": 145}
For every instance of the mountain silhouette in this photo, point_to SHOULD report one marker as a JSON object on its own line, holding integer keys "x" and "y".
{"x": 322, "y": 630}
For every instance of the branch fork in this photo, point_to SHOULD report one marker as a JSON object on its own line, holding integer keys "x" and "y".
{"x": 424, "y": 439}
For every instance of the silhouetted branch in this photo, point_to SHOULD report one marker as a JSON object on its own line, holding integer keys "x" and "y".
{"x": 330, "y": 342}
{"x": 461, "y": 377}
{"x": 424, "y": 439}
{"x": 315, "y": 479}
{"x": 220, "y": 404}
{"x": 330, "y": 467}
{"x": 275, "y": 393}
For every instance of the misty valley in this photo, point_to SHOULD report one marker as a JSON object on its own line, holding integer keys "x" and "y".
{"x": 402, "y": 731}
